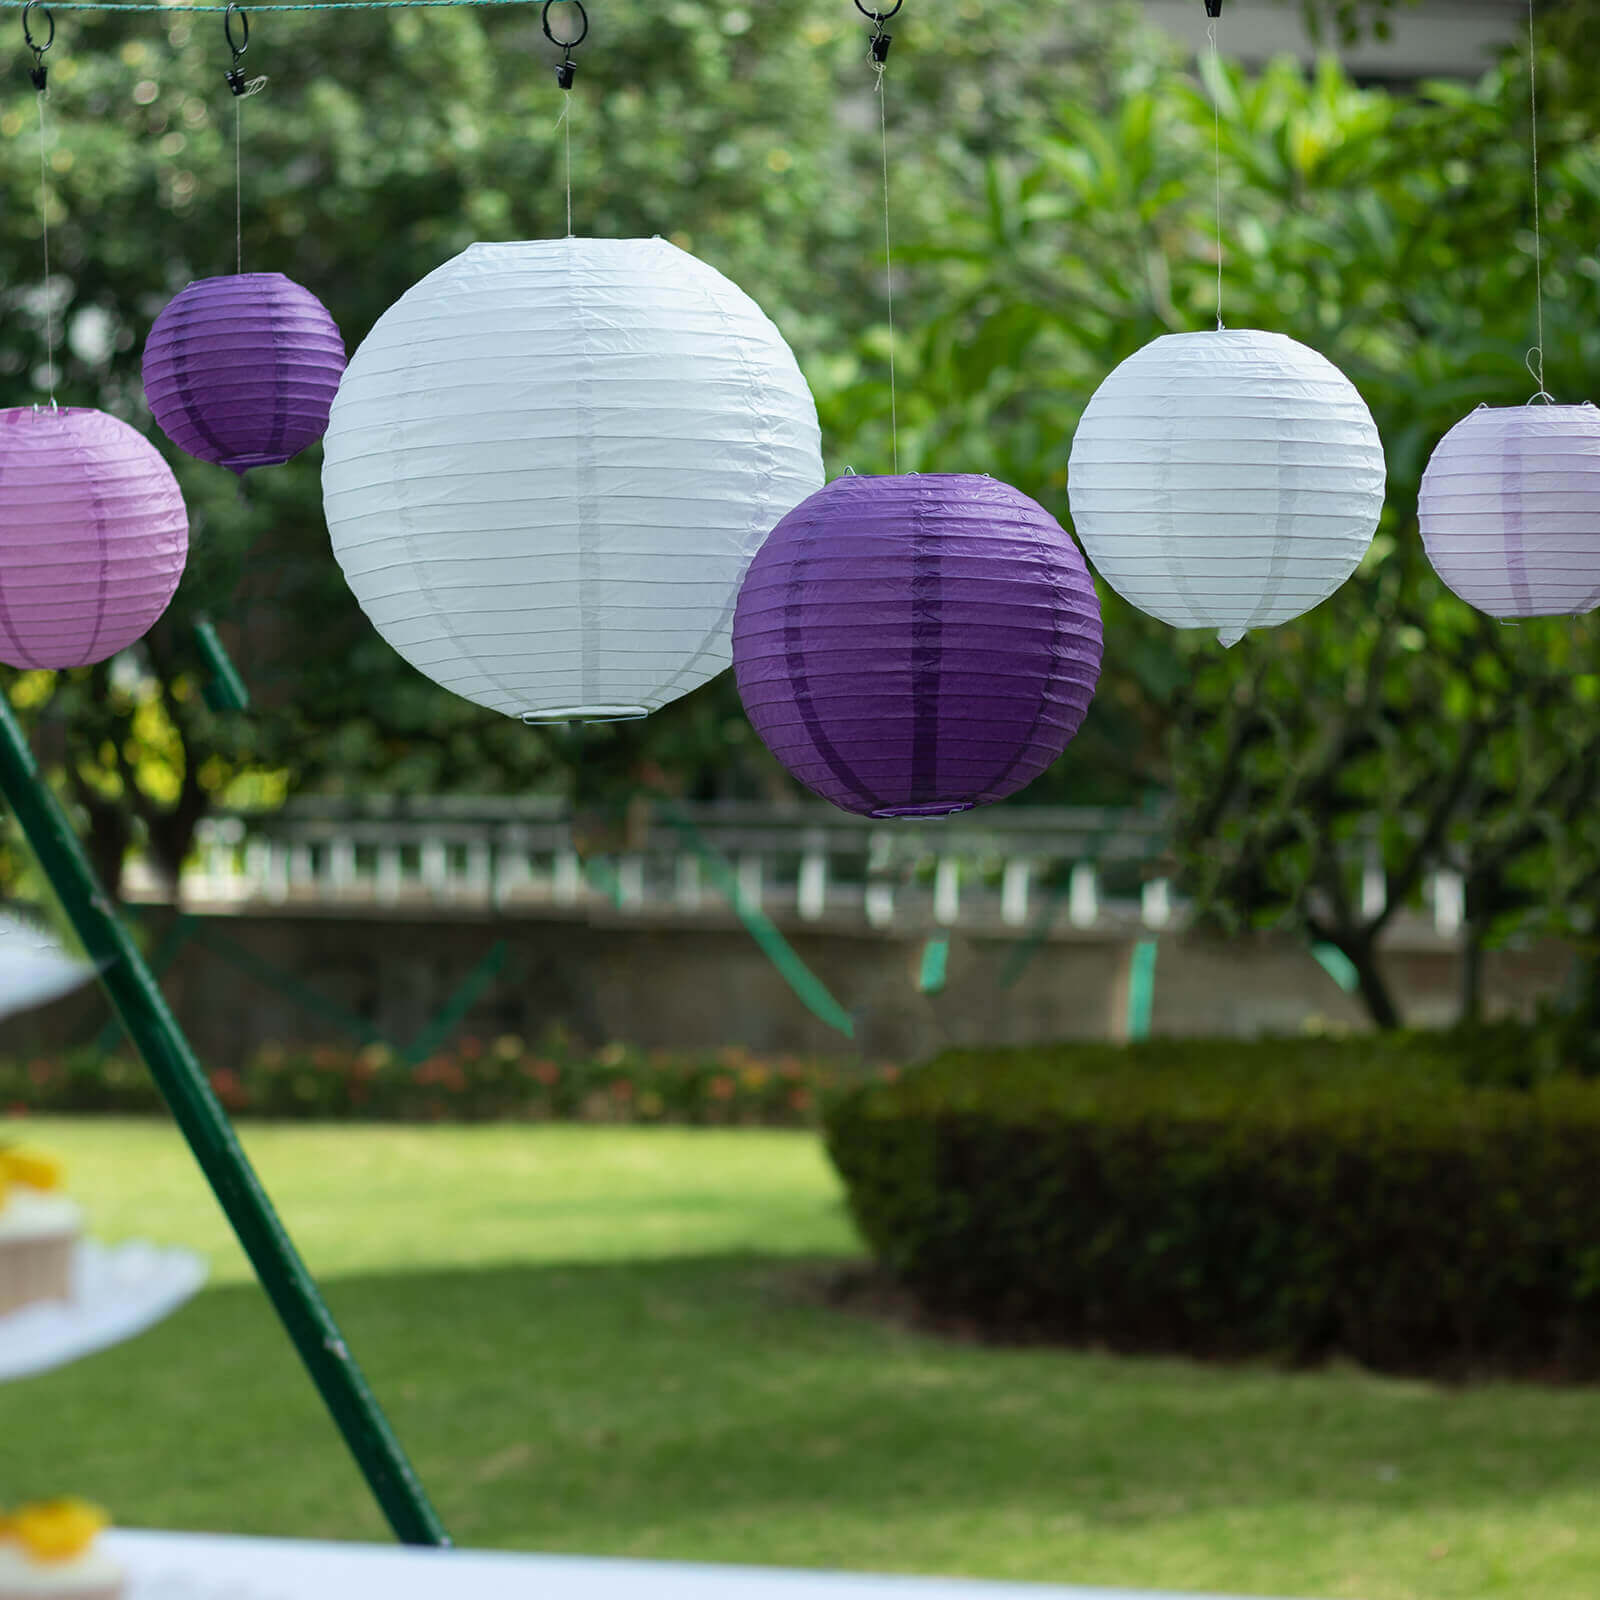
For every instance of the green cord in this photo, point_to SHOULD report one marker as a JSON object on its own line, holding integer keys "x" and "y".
{"x": 299, "y": 5}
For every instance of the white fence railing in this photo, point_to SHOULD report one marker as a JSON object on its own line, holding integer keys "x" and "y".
{"x": 1080, "y": 869}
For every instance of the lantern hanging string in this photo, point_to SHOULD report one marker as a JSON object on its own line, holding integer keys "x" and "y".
{"x": 1216, "y": 145}
{"x": 566, "y": 71}
{"x": 1534, "y": 360}
{"x": 878, "y": 58}
{"x": 39, "y": 75}
{"x": 242, "y": 90}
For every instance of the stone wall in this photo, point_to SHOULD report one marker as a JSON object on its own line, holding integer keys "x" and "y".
{"x": 241, "y": 981}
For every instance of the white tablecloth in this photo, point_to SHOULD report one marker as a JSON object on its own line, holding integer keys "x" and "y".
{"x": 179, "y": 1566}
{"x": 117, "y": 1292}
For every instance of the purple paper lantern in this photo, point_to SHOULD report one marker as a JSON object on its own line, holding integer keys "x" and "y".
{"x": 242, "y": 370}
{"x": 917, "y": 645}
{"x": 93, "y": 536}
{"x": 1510, "y": 510}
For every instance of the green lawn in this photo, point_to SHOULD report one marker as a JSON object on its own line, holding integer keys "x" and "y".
{"x": 599, "y": 1340}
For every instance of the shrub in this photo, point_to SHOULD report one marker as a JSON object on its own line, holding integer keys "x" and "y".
{"x": 1289, "y": 1197}
{"x": 474, "y": 1081}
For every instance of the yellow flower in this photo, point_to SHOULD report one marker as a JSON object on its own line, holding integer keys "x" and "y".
{"x": 55, "y": 1530}
{"x": 32, "y": 1168}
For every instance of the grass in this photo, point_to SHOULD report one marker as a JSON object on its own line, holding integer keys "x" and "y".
{"x": 600, "y": 1340}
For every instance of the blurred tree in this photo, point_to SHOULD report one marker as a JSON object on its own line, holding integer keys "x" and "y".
{"x": 384, "y": 143}
{"x": 1393, "y": 730}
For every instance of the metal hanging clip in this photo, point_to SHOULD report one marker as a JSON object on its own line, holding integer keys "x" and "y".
{"x": 566, "y": 68}
{"x": 38, "y": 73}
{"x": 234, "y": 78}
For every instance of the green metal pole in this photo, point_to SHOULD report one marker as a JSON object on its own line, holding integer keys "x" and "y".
{"x": 161, "y": 1042}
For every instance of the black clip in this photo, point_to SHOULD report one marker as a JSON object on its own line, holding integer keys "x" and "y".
{"x": 233, "y": 77}
{"x": 1213, "y": 8}
{"x": 566, "y": 68}
{"x": 880, "y": 40}
{"x": 38, "y": 73}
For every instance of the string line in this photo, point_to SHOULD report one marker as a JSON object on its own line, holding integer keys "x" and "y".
{"x": 888, "y": 266}
{"x": 238, "y": 180}
{"x": 1216, "y": 136}
{"x": 44, "y": 228}
{"x": 1534, "y": 360}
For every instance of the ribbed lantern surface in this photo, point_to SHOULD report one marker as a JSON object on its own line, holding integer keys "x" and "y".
{"x": 549, "y": 465}
{"x": 917, "y": 645}
{"x": 1510, "y": 510}
{"x": 241, "y": 370}
{"x": 1227, "y": 480}
{"x": 93, "y": 536}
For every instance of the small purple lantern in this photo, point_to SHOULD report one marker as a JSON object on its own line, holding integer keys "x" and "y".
{"x": 93, "y": 536}
{"x": 917, "y": 645}
{"x": 1510, "y": 510}
{"x": 241, "y": 370}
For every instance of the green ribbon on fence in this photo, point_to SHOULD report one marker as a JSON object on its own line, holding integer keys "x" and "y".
{"x": 1141, "y": 988}
{"x": 164, "y": 955}
{"x": 810, "y": 989}
{"x": 467, "y": 995}
{"x": 935, "y": 967}
{"x": 1337, "y": 965}
{"x": 1026, "y": 949}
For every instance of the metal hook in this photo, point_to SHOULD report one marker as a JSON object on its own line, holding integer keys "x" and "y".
{"x": 234, "y": 76}
{"x": 38, "y": 73}
{"x": 244, "y": 28}
{"x": 877, "y": 16}
{"x": 566, "y": 68}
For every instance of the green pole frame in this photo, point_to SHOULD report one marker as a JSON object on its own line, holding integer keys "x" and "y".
{"x": 198, "y": 1112}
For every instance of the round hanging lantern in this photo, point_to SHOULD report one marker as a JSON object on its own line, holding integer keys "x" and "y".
{"x": 1227, "y": 480}
{"x": 241, "y": 370}
{"x": 549, "y": 465}
{"x": 917, "y": 645}
{"x": 1510, "y": 510}
{"x": 93, "y": 536}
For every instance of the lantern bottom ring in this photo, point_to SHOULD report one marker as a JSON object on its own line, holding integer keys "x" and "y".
{"x": 535, "y": 719}
{"x": 244, "y": 464}
{"x": 936, "y": 808}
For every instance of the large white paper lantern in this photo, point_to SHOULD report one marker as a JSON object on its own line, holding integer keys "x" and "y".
{"x": 1228, "y": 480}
{"x": 1510, "y": 510}
{"x": 549, "y": 464}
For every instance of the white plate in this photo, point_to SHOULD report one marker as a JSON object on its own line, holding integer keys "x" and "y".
{"x": 118, "y": 1291}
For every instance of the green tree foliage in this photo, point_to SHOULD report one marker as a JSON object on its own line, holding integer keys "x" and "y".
{"x": 384, "y": 143}
{"x": 1053, "y": 211}
{"x": 1393, "y": 726}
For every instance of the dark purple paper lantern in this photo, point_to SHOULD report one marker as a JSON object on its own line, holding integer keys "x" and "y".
{"x": 917, "y": 645}
{"x": 241, "y": 370}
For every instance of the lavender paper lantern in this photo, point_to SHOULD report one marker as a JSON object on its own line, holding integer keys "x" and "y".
{"x": 242, "y": 370}
{"x": 1510, "y": 510}
{"x": 93, "y": 536}
{"x": 917, "y": 645}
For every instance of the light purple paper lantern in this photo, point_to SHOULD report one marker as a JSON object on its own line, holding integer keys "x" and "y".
{"x": 93, "y": 536}
{"x": 1510, "y": 510}
{"x": 917, "y": 645}
{"x": 241, "y": 370}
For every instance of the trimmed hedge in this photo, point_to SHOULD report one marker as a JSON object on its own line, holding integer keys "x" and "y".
{"x": 1289, "y": 1198}
{"x": 474, "y": 1081}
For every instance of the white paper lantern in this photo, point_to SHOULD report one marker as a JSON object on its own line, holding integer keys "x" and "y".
{"x": 1227, "y": 480}
{"x": 549, "y": 465}
{"x": 1510, "y": 510}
